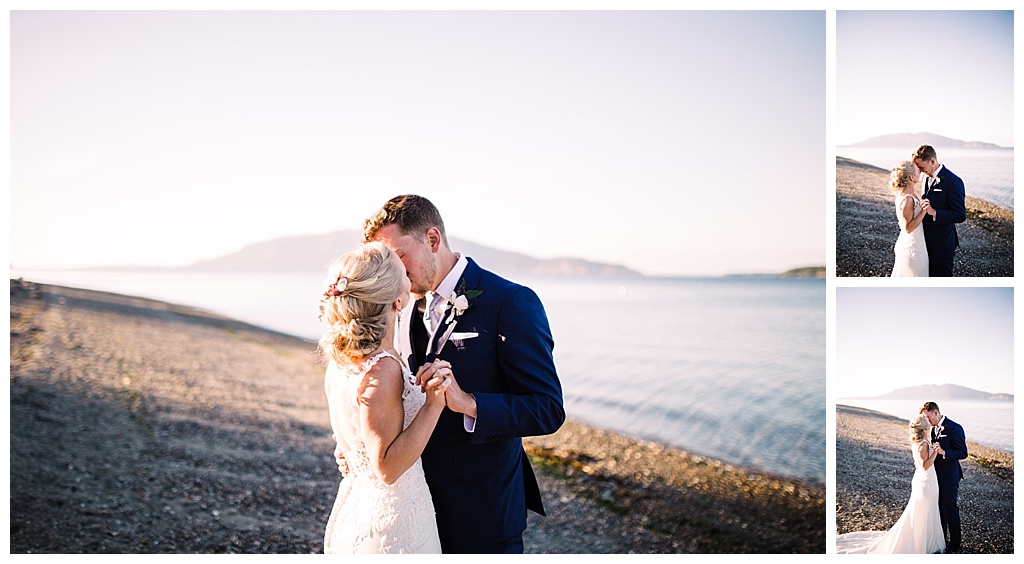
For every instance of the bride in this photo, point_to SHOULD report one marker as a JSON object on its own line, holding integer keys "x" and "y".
{"x": 911, "y": 253}
{"x": 919, "y": 529}
{"x": 381, "y": 419}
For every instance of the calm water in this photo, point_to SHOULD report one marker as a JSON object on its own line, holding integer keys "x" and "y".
{"x": 989, "y": 423}
{"x": 728, "y": 368}
{"x": 987, "y": 173}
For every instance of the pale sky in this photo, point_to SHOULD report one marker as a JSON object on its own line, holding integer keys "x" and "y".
{"x": 891, "y": 338}
{"x": 670, "y": 142}
{"x": 941, "y": 71}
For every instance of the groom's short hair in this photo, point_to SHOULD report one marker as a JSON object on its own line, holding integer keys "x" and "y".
{"x": 925, "y": 153}
{"x": 412, "y": 214}
{"x": 930, "y": 406}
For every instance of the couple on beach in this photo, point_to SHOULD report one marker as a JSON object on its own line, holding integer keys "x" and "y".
{"x": 436, "y": 369}
{"x": 927, "y": 242}
{"x": 939, "y": 445}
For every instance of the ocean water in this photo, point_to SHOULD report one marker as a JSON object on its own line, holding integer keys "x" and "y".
{"x": 989, "y": 423}
{"x": 987, "y": 173}
{"x": 729, "y": 368}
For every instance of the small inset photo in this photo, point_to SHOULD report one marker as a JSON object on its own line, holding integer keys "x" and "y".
{"x": 924, "y": 420}
{"x": 924, "y": 143}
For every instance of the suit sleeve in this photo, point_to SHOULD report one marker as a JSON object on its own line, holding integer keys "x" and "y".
{"x": 957, "y": 443}
{"x": 532, "y": 402}
{"x": 955, "y": 196}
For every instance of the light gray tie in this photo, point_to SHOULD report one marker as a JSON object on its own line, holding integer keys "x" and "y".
{"x": 434, "y": 314}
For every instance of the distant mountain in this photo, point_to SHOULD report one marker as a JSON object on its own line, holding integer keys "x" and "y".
{"x": 313, "y": 253}
{"x": 932, "y": 392}
{"x": 802, "y": 272}
{"x": 911, "y": 141}
{"x": 805, "y": 272}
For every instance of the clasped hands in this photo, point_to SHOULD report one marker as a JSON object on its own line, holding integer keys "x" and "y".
{"x": 938, "y": 448}
{"x": 432, "y": 378}
{"x": 927, "y": 207}
{"x": 456, "y": 399}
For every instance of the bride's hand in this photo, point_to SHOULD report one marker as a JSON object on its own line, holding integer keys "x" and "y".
{"x": 439, "y": 382}
{"x": 426, "y": 372}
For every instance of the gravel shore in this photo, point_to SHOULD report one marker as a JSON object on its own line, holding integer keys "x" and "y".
{"x": 874, "y": 466}
{"x": 866, "y": 228}
{"x": 143, "y": 427}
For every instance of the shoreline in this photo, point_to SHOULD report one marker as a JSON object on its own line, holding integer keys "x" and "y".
{"x": 866, "y": 227}
{"x": 874, "y": 466}
{"x": 139, "y": 426}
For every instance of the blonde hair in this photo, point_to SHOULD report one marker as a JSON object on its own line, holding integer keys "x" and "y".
{"x": 362, "y": 286}
{"x": 919, "y": 428}
{"x": 901, "y": 176}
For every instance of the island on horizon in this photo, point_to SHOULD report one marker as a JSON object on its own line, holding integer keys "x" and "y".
{"x": 312, "y": 253}
{"x": 922, "y": 138}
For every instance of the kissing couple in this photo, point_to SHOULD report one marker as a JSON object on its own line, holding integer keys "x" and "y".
{"x": 938, "y": 444}
{"x": 429, "y": 436}
{"x": 927, "y": 242}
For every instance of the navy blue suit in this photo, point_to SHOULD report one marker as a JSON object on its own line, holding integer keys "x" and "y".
{"x": 940, "y": 237}
{"x": 482, "y": 482}
{"x": 949, "y": 473}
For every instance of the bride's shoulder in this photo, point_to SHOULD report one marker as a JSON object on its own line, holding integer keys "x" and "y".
{"x": 384, "y": 369}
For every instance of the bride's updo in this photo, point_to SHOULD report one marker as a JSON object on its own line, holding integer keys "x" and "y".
{"x": 919, "y": 428}
{"x": 902, "y": 175}
{"x": 362, "y": 285}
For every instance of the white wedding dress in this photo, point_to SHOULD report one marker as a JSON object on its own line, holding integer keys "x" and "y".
{"x": 370, "y": 516}
{"x": 919, "y": 529}
{"x": 910, "y": 250}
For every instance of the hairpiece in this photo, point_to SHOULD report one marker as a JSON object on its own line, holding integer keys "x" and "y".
{"x": 337, "y": 288}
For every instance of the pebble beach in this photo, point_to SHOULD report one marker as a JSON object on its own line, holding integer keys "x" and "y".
{"x": 139, "y": 426}
{"x": 874, "y": 466}
{"x": 866, "y": 228}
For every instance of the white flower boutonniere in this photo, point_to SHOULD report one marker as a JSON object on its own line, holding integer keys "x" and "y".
{"x": 459, "y": 303}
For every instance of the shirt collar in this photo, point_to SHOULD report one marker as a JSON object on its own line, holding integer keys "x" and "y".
{"x": 447, "y": 286}
{"x": 936, "y": 175}
{"x": 941, "y": 421}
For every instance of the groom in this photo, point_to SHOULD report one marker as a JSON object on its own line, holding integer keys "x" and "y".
{"x": 943, "y": 200}
{"x": 505, "y": 385}
{"x": 949, "y": 441}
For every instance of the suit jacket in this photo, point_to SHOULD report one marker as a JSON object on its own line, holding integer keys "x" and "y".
{"x": 947, "y": 197}
{"x": 953, "y": 441}
{"x": 482, "y": 482}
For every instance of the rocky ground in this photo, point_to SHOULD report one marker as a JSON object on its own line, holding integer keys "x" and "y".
{"x": 866, "y": 228}
{"x": 143, "y": 427}
{"x": 874, "y": 466}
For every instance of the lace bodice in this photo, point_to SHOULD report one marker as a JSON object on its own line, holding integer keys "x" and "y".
{"x": 917, "y": 208}
{"x": 918, "y": 462}
{"x": 342, "y": 386}
{"x": 369, "y": 515}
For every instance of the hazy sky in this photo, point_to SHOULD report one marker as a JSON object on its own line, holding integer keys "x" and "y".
{"x": 671, "y": 142}
{"x": 941, "y": 71}
{"x": 891, "y": 338}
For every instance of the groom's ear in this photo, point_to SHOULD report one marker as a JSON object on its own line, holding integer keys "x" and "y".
{"x": 434, "y": 239}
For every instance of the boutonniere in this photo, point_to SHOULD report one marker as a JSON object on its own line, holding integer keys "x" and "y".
{"x": 936, "y": 181}
{"x": 460, "y": 303}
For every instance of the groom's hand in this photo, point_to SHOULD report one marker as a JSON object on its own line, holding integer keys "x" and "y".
{"x": 927, "y": 207}
{"x": 459, "y": 401}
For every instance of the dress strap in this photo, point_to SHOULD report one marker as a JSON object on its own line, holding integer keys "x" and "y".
{"x": 366, "y": 366}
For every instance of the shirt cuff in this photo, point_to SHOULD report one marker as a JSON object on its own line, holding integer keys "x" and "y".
{"x": 469, "y": 423}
